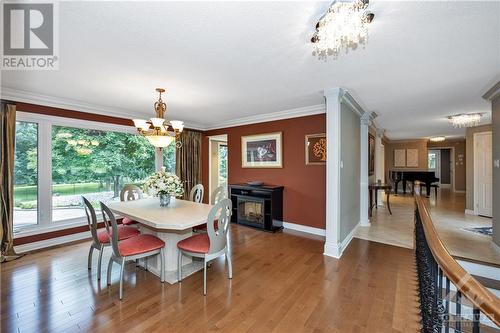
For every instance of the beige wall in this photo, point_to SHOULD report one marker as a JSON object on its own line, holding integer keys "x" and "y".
{"x": 459, "y": 158}
{"x": 390, "y": 146}
{"x": 469, "y": 163}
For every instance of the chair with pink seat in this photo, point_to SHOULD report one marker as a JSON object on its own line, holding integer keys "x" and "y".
{"x": 209, "y": 245}
{"x": 138, "y": 247}
{"x": 130, "y": 192}
{"x": 100, "y": 238}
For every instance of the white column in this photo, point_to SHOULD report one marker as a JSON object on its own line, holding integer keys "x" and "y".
{"x": 363, "y": 177}
{"x": 333, "y": 165}
{"x": 379, "y": 172}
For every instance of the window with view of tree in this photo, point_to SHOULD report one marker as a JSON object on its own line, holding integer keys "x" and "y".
{"x": 55, "y": 165}
{"x": 96, "y": 164}
{"x": 26, "y": 174}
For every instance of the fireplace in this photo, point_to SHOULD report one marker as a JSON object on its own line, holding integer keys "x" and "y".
{"x": 257, "y": 206}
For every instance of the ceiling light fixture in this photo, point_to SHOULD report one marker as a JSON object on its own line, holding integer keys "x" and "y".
{"x": 344, "y": 26}
{"x": 437, "y": 139}
{"x": 159, "y": 136}
{"x": 465, "y": 119}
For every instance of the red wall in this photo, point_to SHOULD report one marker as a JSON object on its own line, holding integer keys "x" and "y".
{"x": 305, "y": 185}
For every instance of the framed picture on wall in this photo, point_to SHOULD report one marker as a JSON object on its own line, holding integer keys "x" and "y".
{"x": 262, "y": 151}
{"x": 399, "y": 158}
{"x": 315, "y": 149}
{"x": 412, "y": 158}
{"x": 371, "y": 154}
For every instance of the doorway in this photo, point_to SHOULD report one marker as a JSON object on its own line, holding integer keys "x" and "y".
{"x": 483, "y": 174}
{"x": 441, "y": 161}
{"x": 218, "y": 164}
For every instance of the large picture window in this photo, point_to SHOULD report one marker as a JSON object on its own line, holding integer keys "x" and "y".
{"x": 26, "y": 175}
{"x": 96, "y": 164}
{"x": 57, "y": 160}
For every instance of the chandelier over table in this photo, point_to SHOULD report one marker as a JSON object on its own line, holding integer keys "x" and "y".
{"x": 156, "y": 130}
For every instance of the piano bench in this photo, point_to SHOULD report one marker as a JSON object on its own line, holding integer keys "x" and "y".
{"x": 435, "y": 187}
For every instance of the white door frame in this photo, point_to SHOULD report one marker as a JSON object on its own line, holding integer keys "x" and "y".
{"x": 438, "y": 162}
{"x": 475, "y": 135}
{"x": 218, "y": 138}
{"x": 452, "y": 161}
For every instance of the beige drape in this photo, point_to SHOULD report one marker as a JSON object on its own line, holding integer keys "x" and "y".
{"x": 7, "y": 145}
{"x": 188, "y": 160}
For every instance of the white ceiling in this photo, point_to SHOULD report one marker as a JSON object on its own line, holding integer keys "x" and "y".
{"x": 221, "y": 61}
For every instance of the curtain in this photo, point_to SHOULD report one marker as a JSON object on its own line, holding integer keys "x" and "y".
{"x": 188, "y": 160}
{"x": 7, "y": 145}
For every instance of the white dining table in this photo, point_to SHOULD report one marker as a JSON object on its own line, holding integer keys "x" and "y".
{"x": 171, "y": 224}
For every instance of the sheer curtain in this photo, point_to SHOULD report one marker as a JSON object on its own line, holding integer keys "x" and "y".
{"x": 7, "y": 146}
{"x": 188, "y": 160}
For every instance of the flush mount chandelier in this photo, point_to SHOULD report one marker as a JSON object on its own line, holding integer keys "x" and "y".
{"x": 437, "y": 139}
{"x": 344, "y": 26}
{"x": 465, "y": 119}
{"x": 156, "y": 130}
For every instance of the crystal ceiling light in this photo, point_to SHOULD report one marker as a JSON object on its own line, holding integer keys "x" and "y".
{"x": 344, "y": 26}
{"x": 465, "y": 119}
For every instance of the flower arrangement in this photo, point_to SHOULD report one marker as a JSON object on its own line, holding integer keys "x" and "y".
{"x": 161, "y": 184}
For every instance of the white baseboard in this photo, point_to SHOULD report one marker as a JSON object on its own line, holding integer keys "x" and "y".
{"x": 459, "y": 191}
{"x": 304, "y": 228}
{"x": 336, "y": 250}
{"x": 51, "y": 242}
{"x": 469, "y": 212}
{"x": 486, "y": 271}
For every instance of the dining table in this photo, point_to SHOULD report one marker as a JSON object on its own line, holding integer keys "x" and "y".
{"x": 171, "y": 224}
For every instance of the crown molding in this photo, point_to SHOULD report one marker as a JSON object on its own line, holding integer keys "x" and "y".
{"x": 23, "y": 96}
{"x": 261, "y": 118}
{"x": 493, "y": 92}
{"x": 16, "y": 95}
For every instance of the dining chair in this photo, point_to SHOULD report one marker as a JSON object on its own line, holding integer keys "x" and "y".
{"x": 138, "y": 247}
{"x": 210, "y": 245}
{"x": 130, "y": 192}
{"x": 100, "y": 238}
{"x": 196, "y": 194}
{"x": 218, "y": 194}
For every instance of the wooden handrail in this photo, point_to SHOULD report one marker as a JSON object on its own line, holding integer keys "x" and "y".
{"x": 482, "y": 298}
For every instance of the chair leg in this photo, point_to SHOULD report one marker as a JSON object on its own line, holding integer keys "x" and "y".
{"x": 146, "y": 263}
{"x": 108, "y": 276}
{"x": 99, "y": 263}
{"x": 229, "y": 265}
{"x": 122, "y": 266}
{"x": 162, "y": 259}
{"x": 179, "y": 266}
{"x": 205, "y": 277}
{"x": 89, "y": 260}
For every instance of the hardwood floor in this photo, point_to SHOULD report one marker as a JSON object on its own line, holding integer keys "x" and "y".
{"x": 447, "y": 213}
{"x": 282, "y": 283}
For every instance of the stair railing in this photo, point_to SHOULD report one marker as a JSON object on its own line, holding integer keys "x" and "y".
{"x": 435, "y": 267}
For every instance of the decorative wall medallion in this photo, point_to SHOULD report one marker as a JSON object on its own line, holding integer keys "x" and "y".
{"x": 315, "y": 146}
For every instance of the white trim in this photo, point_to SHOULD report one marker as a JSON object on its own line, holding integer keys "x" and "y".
{"x": 51, "y": 242}
{"x": 493, "y": 92}
{"x": 74, "y": 105}
{"x": 483, "y": 270}
{"x": 469, "y": 212}
{"x": 304, "y": 228}
{"x": 459, "y": 191}
{"x": 73, "y": 122}
{"x": 261, "y": 118}
{"x": 345, "y": 243}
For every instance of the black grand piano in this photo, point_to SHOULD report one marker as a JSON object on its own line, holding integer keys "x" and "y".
{"x": 427, "y": 177}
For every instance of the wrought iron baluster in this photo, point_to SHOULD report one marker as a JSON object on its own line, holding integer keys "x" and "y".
{"x": 458, "y": 305}
{"x": 476, "y": 316}
{"x": 447, "y": 307}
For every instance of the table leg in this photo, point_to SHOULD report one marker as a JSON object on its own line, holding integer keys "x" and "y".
{"x": 376, "y": 199}
{"x": 370, "y": 205}
{"x": 171, "y": 238}
{"x": 388, "y": 194}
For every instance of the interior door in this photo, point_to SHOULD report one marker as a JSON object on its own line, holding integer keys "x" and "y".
{"x": 483, "y": 174}
{"x": 434, "y": 162}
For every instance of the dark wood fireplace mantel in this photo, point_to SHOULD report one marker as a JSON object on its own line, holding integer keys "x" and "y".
{"x": 257, "y": 206}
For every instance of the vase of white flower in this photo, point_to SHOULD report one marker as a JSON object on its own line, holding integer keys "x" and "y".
{"x": 164, "y": 185}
